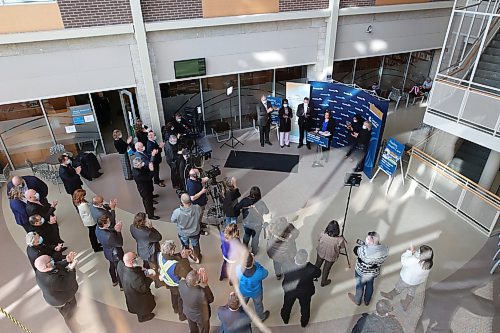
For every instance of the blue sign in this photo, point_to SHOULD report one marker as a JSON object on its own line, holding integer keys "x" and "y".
{"x": 276, "y": 103}
{"x": 390, "y": 157}
{"x": 78, "y": 120}
{"x": 344, "y": 102}
{"x": 80, "y": 110}
{"x": 317, "y": 138}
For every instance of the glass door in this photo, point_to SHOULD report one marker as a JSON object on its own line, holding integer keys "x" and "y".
{"x": 218, "y": 107}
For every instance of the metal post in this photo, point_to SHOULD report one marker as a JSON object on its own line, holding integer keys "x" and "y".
{"x": 406, "y": 73}
{"x": 202, "y": 107}
{"x": 479, "y": 53}
{"x": 239, "y": 97}
{"x": 441, "y": 56}
{"x": 354, "y": 70}
{"x": 456, "y": 39}
{"x": 274, "y": 83}
{"x": 460, "y": 199}
{"x": 97, "y": 123}
{"x": 47, "y": 121}
{"x": 6, "y": 153}
{"x": 469, "y": 32}
{"x": 484, "y": 17}
{"x": 381, "y": 71}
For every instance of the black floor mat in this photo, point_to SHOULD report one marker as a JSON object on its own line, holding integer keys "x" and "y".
{"x": 263, "y": 161}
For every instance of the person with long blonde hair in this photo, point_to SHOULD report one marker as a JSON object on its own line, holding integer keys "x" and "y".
{"x": 229, "y": 237}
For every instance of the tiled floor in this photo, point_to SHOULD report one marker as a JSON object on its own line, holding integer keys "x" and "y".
{"x": 460, "y": 295}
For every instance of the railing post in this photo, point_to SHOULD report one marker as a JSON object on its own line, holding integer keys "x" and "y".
{"x": 443, "y": 49}
{"x": 479, "y": 53}
{"x": 461, "y": 198}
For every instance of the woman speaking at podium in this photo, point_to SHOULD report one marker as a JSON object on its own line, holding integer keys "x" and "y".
{"x": 327, "y": 129}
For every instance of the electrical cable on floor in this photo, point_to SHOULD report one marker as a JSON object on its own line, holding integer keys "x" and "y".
{"x": 14, "y": 320}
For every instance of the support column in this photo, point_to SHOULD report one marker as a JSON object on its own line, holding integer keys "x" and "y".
{"x": 490, "y": 170}
{"x": 142, "y": 45}
{"x": 331, "y": 38}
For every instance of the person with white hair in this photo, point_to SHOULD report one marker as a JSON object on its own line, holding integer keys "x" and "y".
{"x": 416, "y": 266}
{"x": 187, "y": 218}
{"x": 380, "y": 321}
{"x": 57, "y": 281}
{"x": 35, "y": 247}
{"x": 371, "y": 255}
{"x": 143, "y": 177}
{"x": 30, "y": 183}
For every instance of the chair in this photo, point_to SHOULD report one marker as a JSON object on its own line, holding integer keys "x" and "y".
{"x": 37, "y": 169}
{"x": 422, "y": 98}
{"x": 53, "y": 176}
{"x": 57, "y": 149}
{"x": 396, "y": 95}
{"x": 220, "y": 130}
{"x": 4, "y": 177}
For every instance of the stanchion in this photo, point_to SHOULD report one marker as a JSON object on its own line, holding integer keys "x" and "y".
{"x": 351, "y": 180}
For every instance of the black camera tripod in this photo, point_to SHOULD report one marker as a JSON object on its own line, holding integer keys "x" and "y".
{"x": 351, "y": 180}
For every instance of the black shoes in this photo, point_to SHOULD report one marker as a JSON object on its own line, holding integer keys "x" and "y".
{"x": 266, "y": 315}
{"x": 300, "y": 145}
{"x": 308, "y": 147}
{"x": 155, "y": 202}
{"x": 156, "y": 195}
{"x": 147, "y": 317}
{"x": 269, "y": 143}
{"x": 99, "y": 249}
{"x": 262, "y": 145}
{"x": 154, "y": 217}
{"x": 358, "y": 169}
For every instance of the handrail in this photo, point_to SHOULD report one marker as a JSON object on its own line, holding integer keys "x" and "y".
{"x": 475, "y": 90}
{"x": 488, "y": 197}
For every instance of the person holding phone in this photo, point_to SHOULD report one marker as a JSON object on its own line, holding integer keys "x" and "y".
{"x": 285, "y": 115}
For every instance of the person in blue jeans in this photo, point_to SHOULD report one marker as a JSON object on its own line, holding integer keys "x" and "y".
{"x": 231, "y": 195}
{"x": 371, "y": 255}
{"x": 187, "y": 218}
{"x": 250, "y": 277}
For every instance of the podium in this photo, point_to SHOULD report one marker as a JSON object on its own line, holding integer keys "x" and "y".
{"x": 320, "y": 139}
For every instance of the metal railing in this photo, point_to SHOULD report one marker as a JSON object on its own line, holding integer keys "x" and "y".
{"x": 476, "y": 205}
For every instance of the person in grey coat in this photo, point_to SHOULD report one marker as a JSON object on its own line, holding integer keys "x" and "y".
{"x": 187, "y": 218}
{"x": 281, "y": 247}
{"x": 98, "y": 208}
{"x": 112, "y": 241}
{"x": 147, "y": 238}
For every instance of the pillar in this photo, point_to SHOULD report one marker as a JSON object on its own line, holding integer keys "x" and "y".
{"x": 490, "y": 170}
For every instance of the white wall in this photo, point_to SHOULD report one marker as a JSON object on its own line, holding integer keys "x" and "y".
{"x": 391, "y": 33}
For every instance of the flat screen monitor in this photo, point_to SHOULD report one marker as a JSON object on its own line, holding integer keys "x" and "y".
{"x": 190, "y": 68}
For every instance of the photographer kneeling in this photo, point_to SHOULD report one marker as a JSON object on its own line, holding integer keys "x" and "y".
{"x": 195, "y": 188}
{"x": 231, "y": 195}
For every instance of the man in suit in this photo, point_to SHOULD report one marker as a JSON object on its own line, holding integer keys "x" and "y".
{"x": 58, "y": 284}
{"x": 264, "y": 109}
{"x": 70, "y": 176}
{"x": 98, "y": 209}
{"x": 298, "y": 283}
{"x": 136, "y": 282}
{"x": 46, "y": 212}
{"x": 233, "y": 318}
{"x": 30, "y": 183}
{"x": 304, "y": 114}
{"x": 196, "y": 296}
{"x": 143, "y": 178}
{"x": 112, "y": 241}
{"x": 36, "y": 247}
{"x": 150, "y": 147}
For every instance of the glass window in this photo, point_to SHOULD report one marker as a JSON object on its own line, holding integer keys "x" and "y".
{"x": 420, "y": 66}
{"x": 73, "y": 122}
{"x": 291, "y": 74}
{"x": 343, "y": 71}
{"x": 367, "y": 71}
{"x": 25, "y": 133}
{"x": 394, "y": 71}
{"x": 181, "y": 96}
{"x": 253, "y": 86}
{"x": 217, "y": 105}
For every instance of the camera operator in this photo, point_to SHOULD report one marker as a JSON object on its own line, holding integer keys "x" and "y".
{"x": 195, "y": 187}
{"x": 231, "y": 195}
{"x": 180, "y": 124}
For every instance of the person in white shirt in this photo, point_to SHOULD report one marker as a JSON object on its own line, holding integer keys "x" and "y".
{"x": 85, "y": 214}
{"x": 416, "y": 266}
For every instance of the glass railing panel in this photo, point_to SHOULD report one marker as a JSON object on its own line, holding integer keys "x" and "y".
{"x": 446, "y": 98}
{"x": 489, "y": 109}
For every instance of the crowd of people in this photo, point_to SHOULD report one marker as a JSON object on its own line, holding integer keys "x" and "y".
{"x": 163, "y": 266}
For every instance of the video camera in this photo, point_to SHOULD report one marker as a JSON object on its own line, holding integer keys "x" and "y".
{"x": 213, "y": 173}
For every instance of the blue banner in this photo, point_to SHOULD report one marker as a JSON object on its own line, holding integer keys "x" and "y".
{"x": 390, "y": 157}
{"x": 344, "y": 102}
{"x": 276, "y": 103}
{"x": 317, "y": 138}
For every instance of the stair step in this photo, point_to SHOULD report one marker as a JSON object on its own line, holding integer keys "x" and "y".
{"x": 487, "y": 74}
{"x": 488, "y": 66}
{"x": 490, "y": 58}
{"x": 487, "y": 82}
{"x": 495, "y": 43}
{"x": 495, "y": 51}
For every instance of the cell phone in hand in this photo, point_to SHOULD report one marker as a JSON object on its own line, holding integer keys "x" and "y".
{"x": 360, "y": 242}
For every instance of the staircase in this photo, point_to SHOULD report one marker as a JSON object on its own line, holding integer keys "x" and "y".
{"x": 470, "y": 159}
{"x": 488, "y": 69}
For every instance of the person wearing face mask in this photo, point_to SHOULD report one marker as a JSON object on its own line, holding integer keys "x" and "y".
{"x": 112, "y": 243}
{"x": 304, "y": 113}
{"x": 416, "y": 266}
{"x": 143, "y": 177}
{"x": 180, "y": 124}
{"x": 35, "y": 207}
{"x": 46, "y": 229}
{"x": 173, "y": 160}
{"x": 155, "y": 146}
{"x": 30, "y": 183}
{"x": 362, "y": 143}
{"x": 328, "y": 127}
{"x": 36, "y": 247}
{"x": 85, "y": 210}
{"x": 195, "y": 187}
{"x": 70, "y": 176}
{"x": 57, "y": 281}
{"x": 147, "y": 238}
{"x": 264, "y": 110}
{"x": 99, "y": 208}
{"x": 354, "y": 127}
{"x": 122, "y": 148}
{"x": 285, "y": 123}
{"x": 136, "y": 281}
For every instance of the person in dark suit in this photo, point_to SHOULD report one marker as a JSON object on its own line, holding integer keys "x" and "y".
{"x": 35, "y": 247}
{"x": 141, "y": 132}
{"x": 362, "y": 144}
{"x": 305, "y": 114}
{"x": 151, "y": 146}
{"x": 112, "y": 241}
{"x": 46, "y": 212}
{"x": 180, "y": 124}
{"x": 196, "y": 296}
{"x": 99, "y": 208}
{"x": 58, "y": 284}
{"x": 45, "y": 229}
{"x": 136, "y": 282}
{"x": 174, "y": 161}
{"x": 143, "y": 178}
{"x": 264, "y": 109}
{"x": 70, "y": 176}
{"x": 328, "y": 127}
{"x": 285, "y": 115}
{"x": 147, "y": 238}
{"x": 298, "y": 283}
{"x": 233, "y": 318}
{"x": 30, "y": 183}
{"x": 18, "y": 207}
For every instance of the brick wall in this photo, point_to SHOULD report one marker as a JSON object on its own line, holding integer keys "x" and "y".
{"x": 166, "y": 10}
{"x": 296, "y": 5}
{"x": 356, "y": 3}
{"x": 90, "y": 13}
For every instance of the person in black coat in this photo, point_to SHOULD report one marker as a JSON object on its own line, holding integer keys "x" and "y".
{"x": 35, "y": 247}
{"x": 58, "y": 284}
{"x": 141, "y": 132}
{"x": 363, "y": 138}
{"x": 305, "y": 115}
{"x": 122, "y": 148}
{"x": 354, "y": 128}
{"x": 285, "y": 126}
{"x": 99, "y": 208}
{"x": 231, "y": 195}
{"x": 180, "y": 124}
{"x": 112, "y": 241}
{"x": 136, "y": 282}
{"x": 48, "y": 228}
{"x": 197, "y": 296}
{"x": 298, "y": 283}
{"x": 174, "y": 161}
{"x": 143, "y": 178}
{"x": 18, "y": 207}
{"x": 233, "y": 318}
{"x": 264, "y": 110}
{"x": 30, "y": 183}
{"x": 147, "y": 238}
{"x": 328, "y": 127}
{"x": 150, "y": 147}
{"x": 70, "y": 176}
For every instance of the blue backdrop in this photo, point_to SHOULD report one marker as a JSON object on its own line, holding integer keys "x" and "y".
{"x": 345, "y": 102}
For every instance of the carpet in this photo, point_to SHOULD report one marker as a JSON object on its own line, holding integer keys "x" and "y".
{"x": 263, "y": 161}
